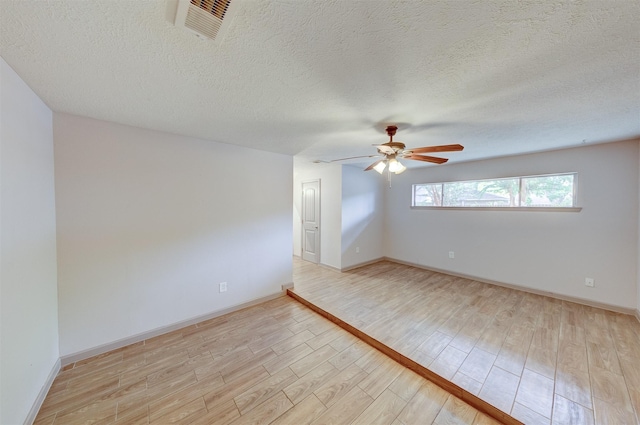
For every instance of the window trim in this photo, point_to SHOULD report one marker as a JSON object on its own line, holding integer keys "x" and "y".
{"x": 574, "y": 208}
{"x": 535, "y": 209}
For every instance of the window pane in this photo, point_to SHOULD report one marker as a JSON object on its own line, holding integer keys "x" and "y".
{"x": 427, "y": 195}
{"x": 548, "y": 191}
{"x": 482, "y": 193}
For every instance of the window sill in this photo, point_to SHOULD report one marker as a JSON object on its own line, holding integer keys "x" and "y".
{"x": 530, "y": 209}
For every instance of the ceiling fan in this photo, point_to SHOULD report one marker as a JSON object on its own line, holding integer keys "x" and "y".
{"x": 392, "y": 151}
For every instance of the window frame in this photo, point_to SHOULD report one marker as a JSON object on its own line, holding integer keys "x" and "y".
{"x": 574, "y": 208}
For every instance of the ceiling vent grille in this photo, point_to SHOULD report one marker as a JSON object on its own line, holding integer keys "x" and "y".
{"x": 202, "y": 17}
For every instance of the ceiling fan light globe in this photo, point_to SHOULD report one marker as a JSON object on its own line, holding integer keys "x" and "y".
{"x": 401, "y": 168}
{"x": 380, "y": 167}
{"x": 394, "y": 165}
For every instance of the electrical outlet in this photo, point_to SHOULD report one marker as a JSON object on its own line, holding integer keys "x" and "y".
{"x": 357, "y": 249}
{"x": 452, "y": 254}
{"x": 590, "y": 282}
{"x": 223, "y": 286}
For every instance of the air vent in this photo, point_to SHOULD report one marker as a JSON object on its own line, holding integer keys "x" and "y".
{"x": 202, "y": 17}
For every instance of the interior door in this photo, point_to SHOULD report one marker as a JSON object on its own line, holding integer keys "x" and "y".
{"x": 311, "y": 221}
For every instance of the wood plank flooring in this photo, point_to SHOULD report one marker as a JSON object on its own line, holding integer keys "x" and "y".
{"x": 542, "y": 360}
{"x": 275, "y": 363}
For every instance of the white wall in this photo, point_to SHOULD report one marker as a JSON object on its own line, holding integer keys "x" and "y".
{"x": 150, "y": 223}
{"x": 29, "y": 308}
{"x": 548, "y": 251}
{"x": 362, "y": 216}
{"x": 330, "y": 176}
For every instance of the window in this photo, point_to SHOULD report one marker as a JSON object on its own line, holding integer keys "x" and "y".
{"x": 548, "y": 191}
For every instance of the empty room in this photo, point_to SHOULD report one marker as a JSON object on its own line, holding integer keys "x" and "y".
{"x": 319, "y": 212}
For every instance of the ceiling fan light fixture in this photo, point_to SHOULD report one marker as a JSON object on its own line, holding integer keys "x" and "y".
{"x": 380, "y": 166}
{"x": 401, "y": 168}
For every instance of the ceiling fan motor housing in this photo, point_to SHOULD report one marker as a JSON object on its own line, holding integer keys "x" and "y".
{"x": 391, "y": 130}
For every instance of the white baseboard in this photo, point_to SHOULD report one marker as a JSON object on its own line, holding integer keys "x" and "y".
{"x": 364, "y": 263}
{"x": 576, "y": 300}
{"x": 287, "y": 286}
{"x": 37, "y": 404}
{"x": 105, "y": 348}
{"x": 326, "y": 266}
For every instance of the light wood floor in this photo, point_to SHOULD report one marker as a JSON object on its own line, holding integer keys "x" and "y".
{"x": 276, "y": 363}
{"x": 540, "y": 359}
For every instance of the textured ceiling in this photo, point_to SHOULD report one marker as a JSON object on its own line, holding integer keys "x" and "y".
{"x": 320, "y": 78}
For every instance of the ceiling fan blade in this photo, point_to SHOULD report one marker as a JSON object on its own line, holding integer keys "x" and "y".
{"x": 441, "y": 148}
{"x": 318, "y": 161}
{"x": 370, "y": 167}
{"x": 425, "y": 158}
